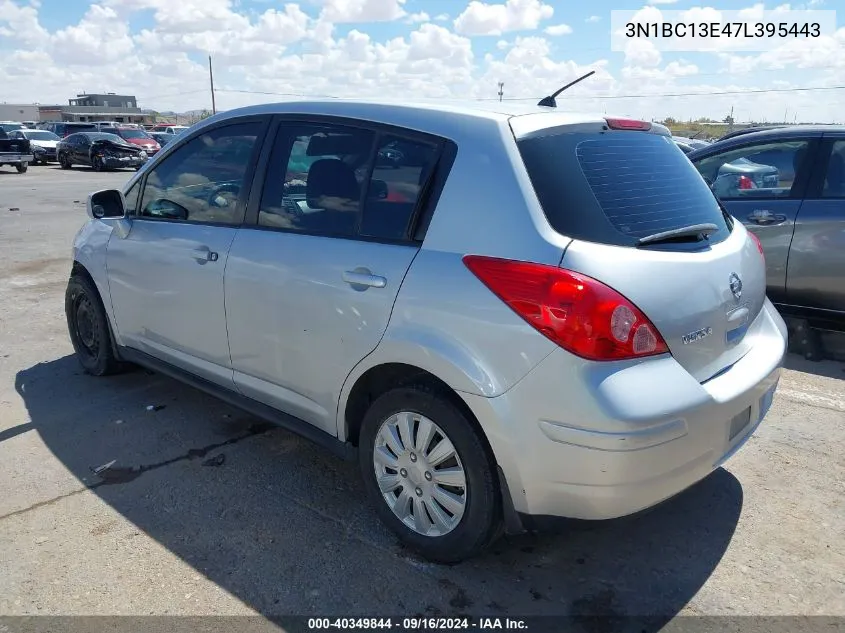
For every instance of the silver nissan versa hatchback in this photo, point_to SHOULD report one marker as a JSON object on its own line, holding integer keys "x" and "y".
{"x": 505, "y": 314}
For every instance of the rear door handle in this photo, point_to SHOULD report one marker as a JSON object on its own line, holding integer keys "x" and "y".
{"x": 363, "y": 278}
{"x": 205, "y": 254}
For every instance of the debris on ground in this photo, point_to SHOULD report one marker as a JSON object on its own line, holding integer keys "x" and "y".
{"x": 14, "y": 208}
{"x": 217, "y": 460}
{"x": 118, "y": 421}
{"x": 103, "y": 467}
{"x": 156, "y": 407}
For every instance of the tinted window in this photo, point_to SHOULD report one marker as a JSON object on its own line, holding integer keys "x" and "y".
{"x": 834, "y": 183}
{"x": 202, "y": 180}
{"x": 401, "y": 171}
{"x": 617, "y": 187}
{"x": 763, "y": 170}
{"x": 316, "y": 179}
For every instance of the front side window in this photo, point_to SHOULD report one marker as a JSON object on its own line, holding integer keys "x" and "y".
{"x": 202, "y": 180}
{"x": 761, "y": 171}
{"x": 834, "y": 182}
{"x": 316, "y": 179}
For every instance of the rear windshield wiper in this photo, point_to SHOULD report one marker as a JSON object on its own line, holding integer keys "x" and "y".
{"x": 701, "y": 231}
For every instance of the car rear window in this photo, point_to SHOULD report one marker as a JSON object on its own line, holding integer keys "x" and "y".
{"x": 618, "y": 187}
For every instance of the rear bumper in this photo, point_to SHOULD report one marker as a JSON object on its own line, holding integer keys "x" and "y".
{"x": 9, "y": 159}
{"x": 589, "y": 440}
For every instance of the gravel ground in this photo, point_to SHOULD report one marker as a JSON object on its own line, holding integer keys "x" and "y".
{"x": 282, "y": 527}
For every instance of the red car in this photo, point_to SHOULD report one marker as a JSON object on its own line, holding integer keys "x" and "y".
{"x": 136, "y": 136}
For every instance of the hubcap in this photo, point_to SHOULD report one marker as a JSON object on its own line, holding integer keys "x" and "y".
{"x": 420, "y": 474}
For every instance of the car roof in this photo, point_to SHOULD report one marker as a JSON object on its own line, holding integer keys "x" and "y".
{"x": 425, "y": 115}
{"x": 786, "y": 132}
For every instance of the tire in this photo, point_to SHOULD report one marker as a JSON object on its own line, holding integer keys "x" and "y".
{"x": 89, "y": 328}
{"x": 64, "y": 162}
{"x": 97, "y": 164}
{"x": 22, "y": 167}
{"x": 479, "y": 524}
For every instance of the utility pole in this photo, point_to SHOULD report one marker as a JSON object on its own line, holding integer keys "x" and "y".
{"x": 501, "y": 89}
{"x": 211, "y": 81}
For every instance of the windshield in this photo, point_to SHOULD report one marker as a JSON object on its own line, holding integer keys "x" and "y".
{"x": 41, "y": 135}
{"x": 618, "y": 187}
{"x": 130, "y": 133}
{"x": 8, "y": 127}
{"x": 102, "y": 136}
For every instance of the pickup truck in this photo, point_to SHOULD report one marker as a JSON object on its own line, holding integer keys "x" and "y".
{"x": 787, "y": 185}
{"x": 15, "y": 152}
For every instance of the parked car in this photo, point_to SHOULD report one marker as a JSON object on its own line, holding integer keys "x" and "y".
{"x": 100, "y": 151}
{"x": 161, "y": 138}
{"x": 169, "y": 128}
{"x": 135, "y": 136}
{"x": 8, "y": 126}
{"x": 793, "y": 198}
{"x": 584, "y": 348}
{"x": 14, "y": 151}
{"x": 63, "y": 129}
{"x": 42, "y": 144}
{"x": 31, "y": 125}
{"x": 689, "y": 144}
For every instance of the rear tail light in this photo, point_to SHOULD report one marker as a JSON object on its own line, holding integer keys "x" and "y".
{"x": 579, "y": 313}
{"x": 746, "y": 183}
{"x": 759, "y": 245}
{"x": 628, "y": 124}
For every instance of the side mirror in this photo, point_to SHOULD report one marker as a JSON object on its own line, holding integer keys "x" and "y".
{"x": 108, "y": 203}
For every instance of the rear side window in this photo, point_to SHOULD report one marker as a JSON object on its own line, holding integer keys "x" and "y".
{"x": 617, "y": 187}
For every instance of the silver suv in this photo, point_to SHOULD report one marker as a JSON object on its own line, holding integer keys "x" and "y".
{"x": 522, "y": 315}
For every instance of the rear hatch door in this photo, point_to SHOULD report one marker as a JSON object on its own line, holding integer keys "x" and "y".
{"x": 645, "y": 223}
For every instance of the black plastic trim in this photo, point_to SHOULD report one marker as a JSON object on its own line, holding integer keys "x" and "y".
{"x": 345, "y": 450}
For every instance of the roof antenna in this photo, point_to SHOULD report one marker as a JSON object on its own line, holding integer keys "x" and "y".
{"x": 549, "y": 102}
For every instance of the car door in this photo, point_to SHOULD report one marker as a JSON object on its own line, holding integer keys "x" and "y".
{"x": 312, "y": 279}
{"x": 762, "y": 183}
{"x": 166, "y": 272}
{"x": 81, "y": 149}
{"x": 816, "y": 272}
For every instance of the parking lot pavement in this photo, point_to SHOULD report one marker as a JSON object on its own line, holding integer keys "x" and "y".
{"x": 280, "y": 527}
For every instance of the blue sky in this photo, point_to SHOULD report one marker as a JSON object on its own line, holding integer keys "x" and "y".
{"x": 157, "y": 49}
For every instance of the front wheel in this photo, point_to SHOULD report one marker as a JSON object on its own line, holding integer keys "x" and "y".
{"x": 22, "y": 167}
{"x": 428, "y": 473}
{"x": 97, "y": 163}
{"x": 64, "y": 161}
{"x": 89, "y": 328}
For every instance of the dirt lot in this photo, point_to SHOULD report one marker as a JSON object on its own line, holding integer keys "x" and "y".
{"x": 282, "y": 528}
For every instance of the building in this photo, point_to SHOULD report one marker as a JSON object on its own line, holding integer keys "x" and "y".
{"x": 96, "y": 107}
{"x": 18, "y": 112}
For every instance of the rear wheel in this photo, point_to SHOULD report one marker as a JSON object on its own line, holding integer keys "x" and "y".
{"x": 89, "y": 328}
{"x": 64, "y": 161}
{"x": 22, "y": 167}
{"x": 427, "y": 472}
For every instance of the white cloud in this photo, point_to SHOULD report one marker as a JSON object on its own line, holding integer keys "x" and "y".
{"x": 662, "y": 1}
{"x": 494, "y": 19}
{"x": 352, "y": 11}
{"x": 414, "y": 18}
{"x": 441, "y": 17}
{"x": 593, "y": 19}
{"x": 502, "y": 44}
{"x": 558, "y": 29}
